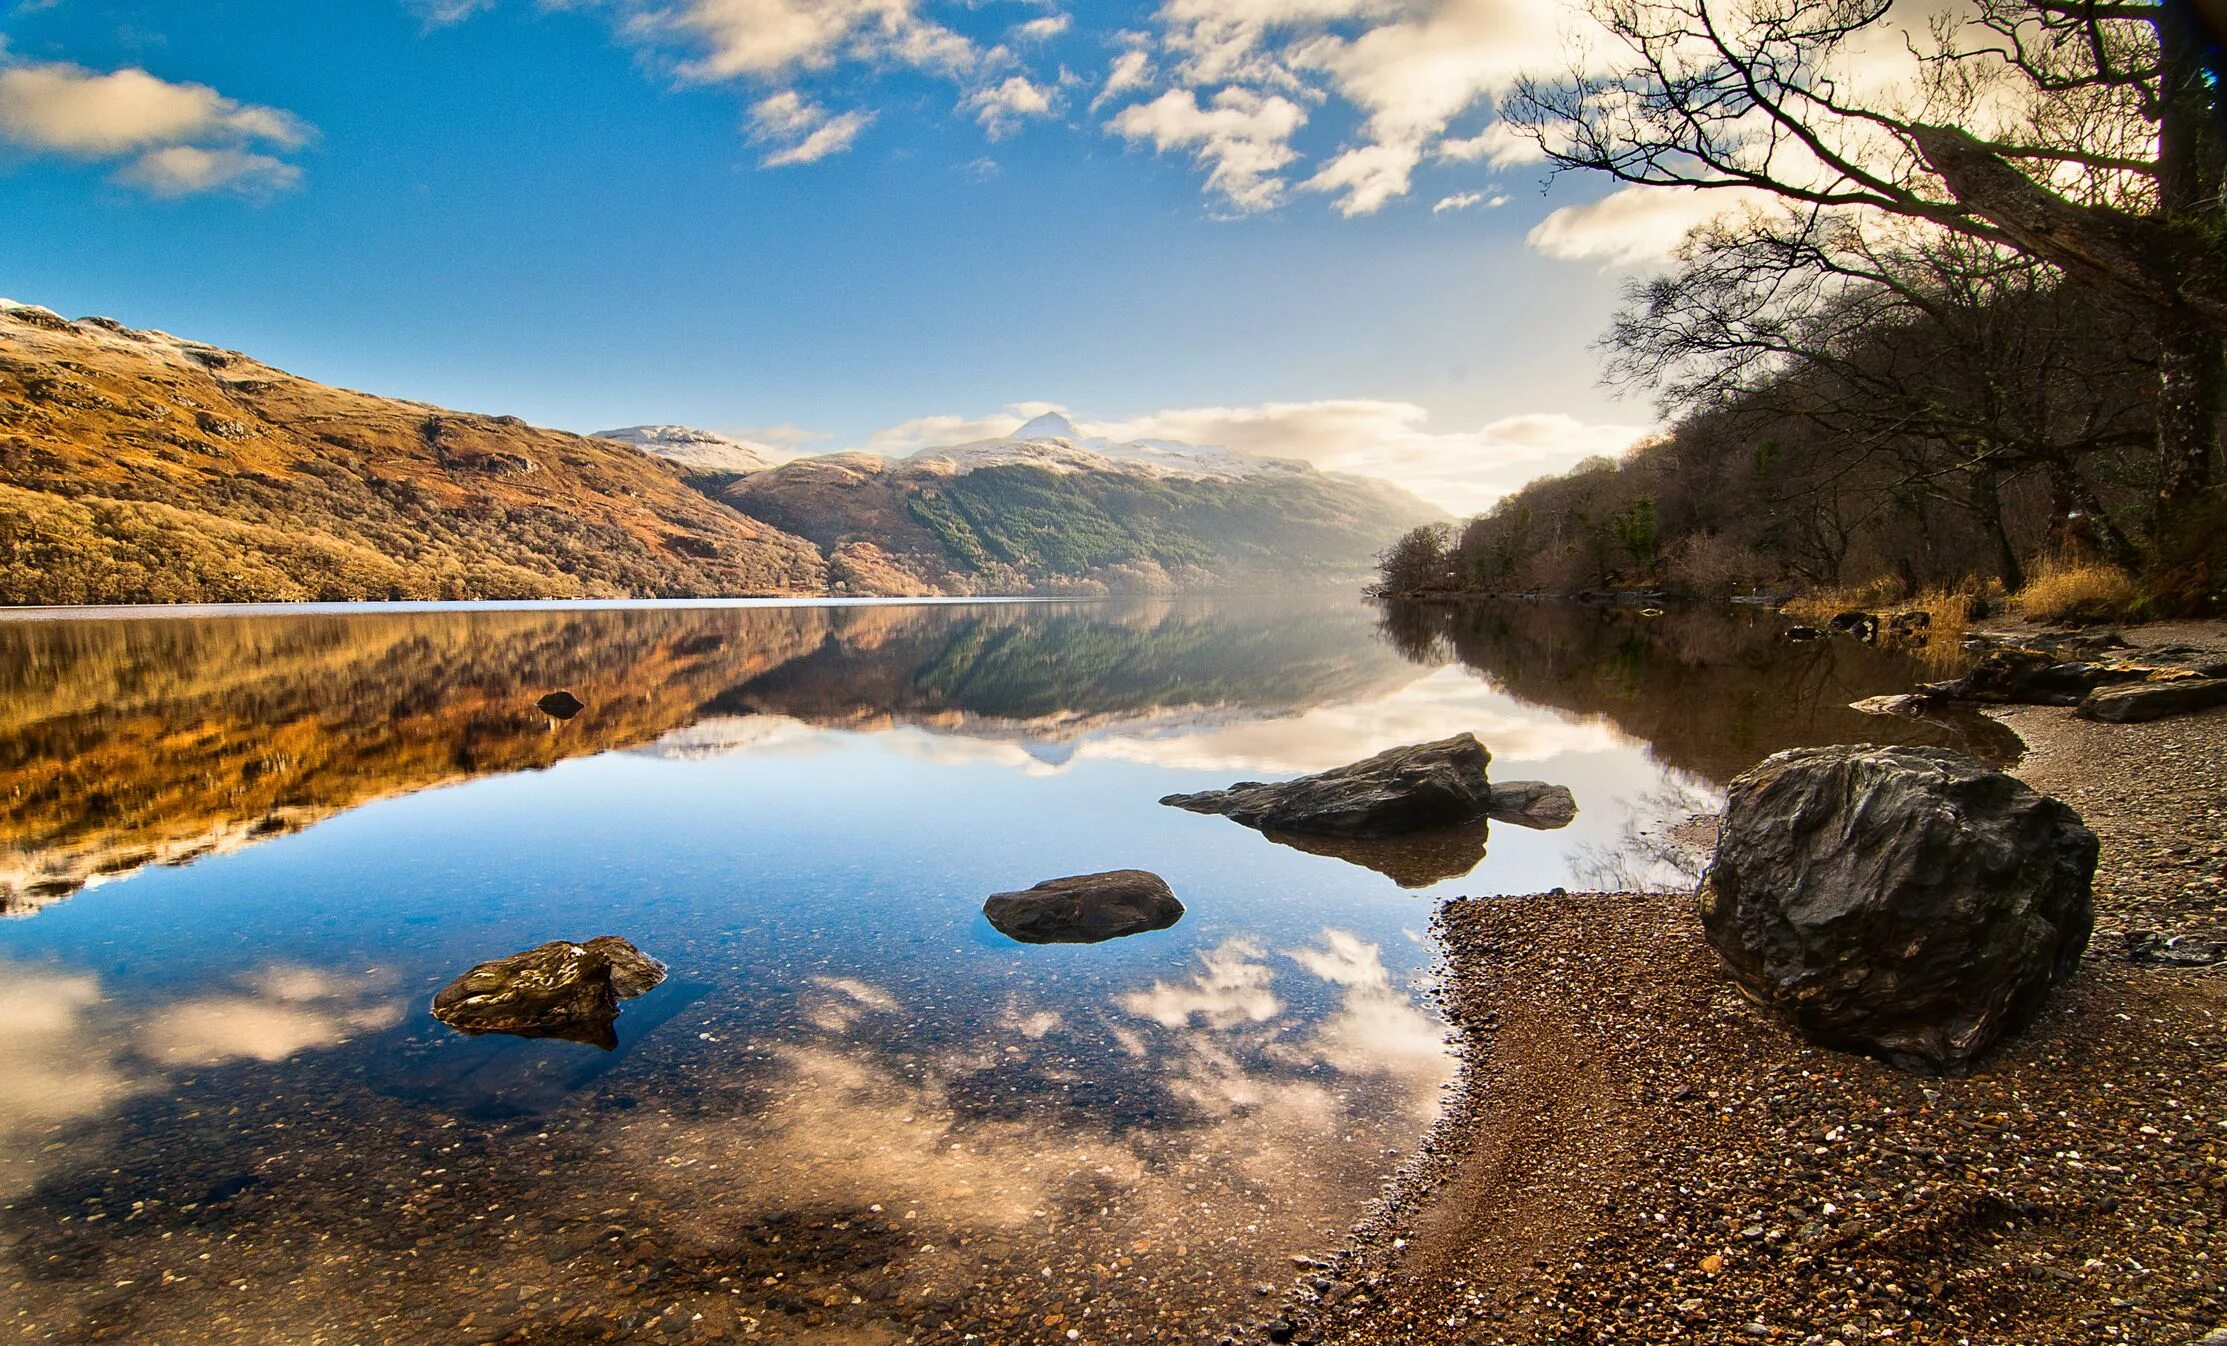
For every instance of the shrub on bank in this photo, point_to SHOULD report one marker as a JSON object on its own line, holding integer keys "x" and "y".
{"x": 2078, "y": 592}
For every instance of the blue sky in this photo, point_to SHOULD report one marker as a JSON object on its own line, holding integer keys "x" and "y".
{"x": 1276, "y": 229}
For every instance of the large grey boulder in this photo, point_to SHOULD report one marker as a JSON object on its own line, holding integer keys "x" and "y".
{"x": 1424, "y": 785}
{"x": 1905, "y": 902}
{"x": 1085, "y": 908}
{"x": 559, "y": 989}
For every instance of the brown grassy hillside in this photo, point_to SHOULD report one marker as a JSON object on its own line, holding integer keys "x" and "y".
{"x": 138, "y": 467}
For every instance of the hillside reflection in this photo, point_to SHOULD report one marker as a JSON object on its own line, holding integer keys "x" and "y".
{"x": 129, "y": 743}
{"x": 1710, "y": 692}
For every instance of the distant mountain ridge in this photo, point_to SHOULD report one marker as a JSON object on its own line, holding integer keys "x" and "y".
{"x": 696, "y": 452}
{"x": 141, "y": 467}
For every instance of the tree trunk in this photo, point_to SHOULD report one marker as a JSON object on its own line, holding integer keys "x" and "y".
{"x": 2077, "y": 517}
{"x": 2191, "y": 381}
{"x": 1987, "y": 502}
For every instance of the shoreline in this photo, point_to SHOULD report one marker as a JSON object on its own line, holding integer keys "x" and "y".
{"x": 1632, "y": 1153}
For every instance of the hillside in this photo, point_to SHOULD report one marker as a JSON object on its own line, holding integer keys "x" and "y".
{"x": 139, "y": 467}
{"x": 1021, "y": 515}
{"x": 142, "y": 467}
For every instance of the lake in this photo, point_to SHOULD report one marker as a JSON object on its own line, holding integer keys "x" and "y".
{"x": 243, "y": 850}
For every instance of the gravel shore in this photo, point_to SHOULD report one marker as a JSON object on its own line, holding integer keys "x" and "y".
{"x": 1638, "y": 1155}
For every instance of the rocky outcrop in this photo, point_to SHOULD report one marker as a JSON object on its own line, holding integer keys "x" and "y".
{"x": 1905, "y": 902}
{"x": 2136, "y": 702}
{"x": 2034, "y": 677}
{"x": 556, "y": 990}
{"x": 1410, "y": 789}
{"x": 2095, "y": 672}
{"x": 1085, "y": 908}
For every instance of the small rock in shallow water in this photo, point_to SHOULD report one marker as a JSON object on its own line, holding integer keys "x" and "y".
{"x": 1534, "y": 804}
{"x": 561, "y": 705}
{"x": 1085, "y": 908}
{"x": 559, "y": 989}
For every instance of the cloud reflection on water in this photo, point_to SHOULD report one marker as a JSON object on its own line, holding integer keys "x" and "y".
{"x": 72, "y": 1056}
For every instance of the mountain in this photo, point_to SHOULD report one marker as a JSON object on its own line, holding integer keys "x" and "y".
{"x": 136, "y": 466}
{"x": 1057, "y": 514}
{"x": 140, "y": 467}
{"x": 698, "y": 453}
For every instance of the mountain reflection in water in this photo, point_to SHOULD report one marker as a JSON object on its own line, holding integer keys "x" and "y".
{"x": 855, "y": 1112}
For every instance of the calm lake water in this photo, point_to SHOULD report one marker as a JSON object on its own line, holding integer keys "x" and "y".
{"x": 244, "y": 851}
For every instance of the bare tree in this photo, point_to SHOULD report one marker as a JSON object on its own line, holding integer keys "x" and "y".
{"x": 2087, "y": 134}
{"x": 1958, "y": 362}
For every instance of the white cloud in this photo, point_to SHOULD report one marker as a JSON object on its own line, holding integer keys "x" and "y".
{"x": 1635, "y": 225}
{"x": 183, "y": 170}
{"x": 1242, "y": 137}
{"x": 770, "y": 39}
{"x": 177, "y": 139}
{"x": 1003, "y": 107}
{"x": 1464, "y": 200}
{"x": 443, "y": 13}
{"x": 801, "y": 131}
{"x": 1458, "y": 470}
{"x": 933, "y": 432}
{"x": 1367, "y": 176}
{"x": 1498, "y": 146}
{"x": 1132, "y": 69}
{"x": 1461, "y": 471}
{"x": 1044, "y": 29}
{"x": 68, "y": 109}
{"x": 1408, "y": 70}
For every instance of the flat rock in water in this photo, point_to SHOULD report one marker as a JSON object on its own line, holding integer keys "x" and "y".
{"x": 1534, "y": 804}
{"x": 1905, "y": 902}
{"x": 1085, "y": 908}
{"x": 1410, "y": 789}
{"x": 2137, "y": 702}
{"x": 559, "y": 989}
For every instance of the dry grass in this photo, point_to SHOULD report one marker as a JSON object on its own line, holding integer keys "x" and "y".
{"x": 1820, "y": 606}
{"x": 1945, "y": 610}
{"x": 2086, "y": 592}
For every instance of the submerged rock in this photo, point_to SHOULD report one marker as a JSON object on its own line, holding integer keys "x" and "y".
{"x": 1085, "y": 908}
{"x": 1410, "y": 789}
{"x": 1534, "y": 804}
{"x": 559, "y": 989}
{"x": 561, "y": 705}
{"x": 2134, "y": 703}
{"x": 1906, "y": 902}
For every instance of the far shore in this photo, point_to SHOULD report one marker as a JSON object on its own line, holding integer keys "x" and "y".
{"x": 1636, "y": 1154}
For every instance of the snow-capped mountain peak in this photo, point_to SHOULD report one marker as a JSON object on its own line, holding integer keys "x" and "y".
{"x": 1050, "y": 425}
{"x": 693, "y": 449}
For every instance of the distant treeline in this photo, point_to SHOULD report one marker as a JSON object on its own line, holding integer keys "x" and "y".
{"x": 1933, "y": 417}
{"x": 1964, "y": 323}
